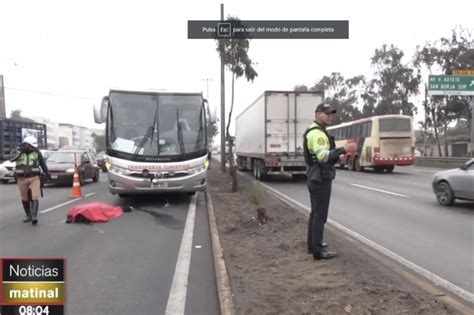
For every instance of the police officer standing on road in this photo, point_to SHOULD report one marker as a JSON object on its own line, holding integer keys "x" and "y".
{"x": 27, "y": 173}
{"x": 321, "y": 155}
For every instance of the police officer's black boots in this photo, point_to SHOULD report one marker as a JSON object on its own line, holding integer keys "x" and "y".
{"x": 34, "y": 211}
{"x": 26, "y": 206}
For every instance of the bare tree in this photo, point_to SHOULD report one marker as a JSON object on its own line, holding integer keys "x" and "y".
{"x": 234, "y": 52}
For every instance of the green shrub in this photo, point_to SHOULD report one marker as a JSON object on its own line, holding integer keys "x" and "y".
{"x": 258, "y": 194}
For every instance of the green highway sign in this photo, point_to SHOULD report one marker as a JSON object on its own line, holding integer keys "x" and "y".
{"x": 450, "y": 85}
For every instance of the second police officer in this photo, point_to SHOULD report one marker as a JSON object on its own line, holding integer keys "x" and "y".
{"x": 321, "y": 154}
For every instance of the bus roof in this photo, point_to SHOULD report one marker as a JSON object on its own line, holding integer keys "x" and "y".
{"x": 367, "y": 119}
{"x": 152, "y": 91}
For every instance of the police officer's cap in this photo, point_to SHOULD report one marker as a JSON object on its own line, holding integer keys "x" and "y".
{"x": 325, "y": 108}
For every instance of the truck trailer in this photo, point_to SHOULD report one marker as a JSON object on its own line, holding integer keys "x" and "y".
{"x": 269, "y": 133}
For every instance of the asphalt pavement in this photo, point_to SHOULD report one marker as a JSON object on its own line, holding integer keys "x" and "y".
{"x": 125, "y": 266}
{"x": 399, "y": 212}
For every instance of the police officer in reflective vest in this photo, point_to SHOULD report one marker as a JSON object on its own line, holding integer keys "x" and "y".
{"x": 320, "y": 156}
{"x": 27, "y": 173}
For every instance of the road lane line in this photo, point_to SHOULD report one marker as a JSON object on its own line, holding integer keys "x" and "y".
{"x": 437, "y": 280}
{"x": 426, "y": 171}
{"x": 65, "y": 203}
{"x": 380, "y": 190}
{"x": 177, "y": 297}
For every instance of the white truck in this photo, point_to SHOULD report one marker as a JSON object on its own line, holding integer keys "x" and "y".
{"x": 269, "y": 133}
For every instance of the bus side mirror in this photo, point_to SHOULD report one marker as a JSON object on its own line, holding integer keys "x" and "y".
{"x": 211, "y": 112}
{"x": 100, "y": 111}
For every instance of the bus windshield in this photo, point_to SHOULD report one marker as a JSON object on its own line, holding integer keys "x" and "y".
{"x": 395, "y": 124}
{"x": 156, "y": 125}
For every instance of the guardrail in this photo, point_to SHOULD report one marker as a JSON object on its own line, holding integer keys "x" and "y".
{"x": 442, "y": 162}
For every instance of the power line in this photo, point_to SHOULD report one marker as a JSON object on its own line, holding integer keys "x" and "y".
{"x": 49, "y": 93}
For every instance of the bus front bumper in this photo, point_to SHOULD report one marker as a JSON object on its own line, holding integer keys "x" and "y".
{"x": 123, "y": 184}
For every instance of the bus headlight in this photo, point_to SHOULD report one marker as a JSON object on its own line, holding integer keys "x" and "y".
{"x": 117, "y": 169}
{"x": 199, "y": 169}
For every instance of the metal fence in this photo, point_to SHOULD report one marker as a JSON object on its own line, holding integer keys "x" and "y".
{"x": 441, "y": 162}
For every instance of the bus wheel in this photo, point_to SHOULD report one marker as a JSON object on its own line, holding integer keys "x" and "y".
{"x": 357, "y": 166}
{"x": 378, "y": 169}
{"x": 390, "y": 168}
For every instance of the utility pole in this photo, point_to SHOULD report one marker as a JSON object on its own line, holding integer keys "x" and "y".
{"x": 472, "y": 126}
{"x": 222, "y": 105}
{"x": 425, "y": 136}
{"x": 207, "y": 86}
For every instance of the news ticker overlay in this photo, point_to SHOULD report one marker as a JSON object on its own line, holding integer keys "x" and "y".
{"x": 32, "y": 286}
{"x": 268, "y": 29}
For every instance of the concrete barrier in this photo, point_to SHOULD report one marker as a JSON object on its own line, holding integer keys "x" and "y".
{"x": 442, "y": 162}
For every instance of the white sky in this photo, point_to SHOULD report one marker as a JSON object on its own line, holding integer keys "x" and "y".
{"x": 81, "y": 48}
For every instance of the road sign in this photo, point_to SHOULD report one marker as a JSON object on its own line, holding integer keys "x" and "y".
{"x": 463, "y": 72}
{"x": 450, "y": 85}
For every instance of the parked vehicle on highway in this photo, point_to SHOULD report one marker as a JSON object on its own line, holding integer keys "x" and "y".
{"x": 269, "y": 133}
{"x": 7, "y": 170}
{"x": 383, "y": 142}
{"x": 47, "y": 153}
{"x": 156, "y": 141}
{"x": 100, "y": 158}
{"x": 61, "y": 166}
{"x": 454, "y": 184}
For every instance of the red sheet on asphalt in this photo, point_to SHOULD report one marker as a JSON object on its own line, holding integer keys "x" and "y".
{"x": 93, "y": 212}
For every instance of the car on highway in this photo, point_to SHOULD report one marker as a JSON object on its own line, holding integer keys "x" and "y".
{"x": 7, "y": 170}
{"x": 47, "y": 153}
{"x": 100, "y": 158}
{"x": 454, "y": 184}
{"x": 61, "y": 166}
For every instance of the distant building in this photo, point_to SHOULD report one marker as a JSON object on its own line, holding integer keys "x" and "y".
{"x": 65, "y": 136}
{"x": 97, "y": 132}
{"x": 459, "y": 144}
{"x": 75, "y": 136}
{"x": 52, "y": 130}
{"x": 3, "y": 113}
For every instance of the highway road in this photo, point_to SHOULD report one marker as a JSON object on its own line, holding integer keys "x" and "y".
{"x": 131, "y": 265}
{"x": 399, "y": 211}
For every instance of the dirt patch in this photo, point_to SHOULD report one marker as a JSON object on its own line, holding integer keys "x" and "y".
{"x": 270, "y": 271}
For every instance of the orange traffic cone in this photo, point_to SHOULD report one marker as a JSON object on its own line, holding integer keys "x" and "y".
{"x": 76, "y": 185}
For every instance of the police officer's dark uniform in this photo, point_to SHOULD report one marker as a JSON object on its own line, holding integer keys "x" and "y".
{"x": 27, "y": 173}
{"x": 320, "y": 156}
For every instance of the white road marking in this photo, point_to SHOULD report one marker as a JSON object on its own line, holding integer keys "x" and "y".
{"x": 380, "y": 190}
{"x": 437, "y": 280}
{"x": 177, "y": 296}
{"x": 65, "y": 203}
{"x": 97, "y": 229}
{"x": 198, "y": 246}
{"x": 426, "y": 171}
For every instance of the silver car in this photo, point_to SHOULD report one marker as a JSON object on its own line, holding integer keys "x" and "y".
{"x": 455, "y": 184}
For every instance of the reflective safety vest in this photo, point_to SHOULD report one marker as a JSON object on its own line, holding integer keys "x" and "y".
{"x": 316, "y": 145}
{"x": 27, "y": 165}
{"x": 318, "y": 148}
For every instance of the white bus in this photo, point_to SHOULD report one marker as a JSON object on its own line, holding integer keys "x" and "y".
{"x": 155, "y": 141}
{"x": 383, "y": 142}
